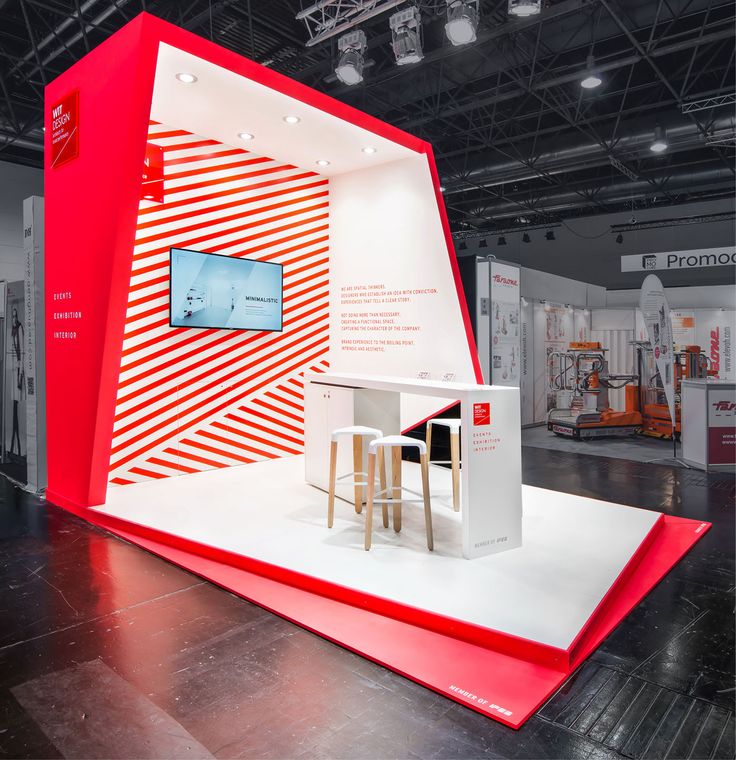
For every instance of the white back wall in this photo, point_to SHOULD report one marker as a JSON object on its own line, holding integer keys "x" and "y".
{"x": 543, "y": 286}
{"x": 393, "y": 301}
{"x": 16, "y": 184}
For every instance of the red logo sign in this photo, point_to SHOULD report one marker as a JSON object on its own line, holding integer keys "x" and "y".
{"x": 505, "y": 280}
{"x": 715, "y": 350}
{"x": 482, "y": 414}
{"x": 152, "y": 186}
{"x": 64, "y": 127}
{"x": 656, "y": 352}
{"x": 724, "y": 406}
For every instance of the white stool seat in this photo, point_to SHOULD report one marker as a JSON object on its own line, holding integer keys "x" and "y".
{"x": 392, "y": 495}
{"x": 358, "y": 478}
{"x": 356, "y": 430}
{"x": 396, "y": 440}
{"x": 449, "y": 422}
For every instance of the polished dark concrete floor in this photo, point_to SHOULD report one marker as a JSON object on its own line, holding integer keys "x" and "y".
{"x": 107, "y": 651}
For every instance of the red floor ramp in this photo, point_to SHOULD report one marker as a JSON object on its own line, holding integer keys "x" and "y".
{"x": 506, "y": 687}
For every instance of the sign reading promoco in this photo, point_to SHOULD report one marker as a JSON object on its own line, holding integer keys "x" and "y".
{"x": 694, "y": 259}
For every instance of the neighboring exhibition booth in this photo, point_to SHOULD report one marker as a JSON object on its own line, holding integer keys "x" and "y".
{"x": 238, "y": 266}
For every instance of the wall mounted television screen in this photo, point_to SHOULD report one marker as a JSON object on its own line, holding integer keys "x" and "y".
{"x": 213, "y": 291}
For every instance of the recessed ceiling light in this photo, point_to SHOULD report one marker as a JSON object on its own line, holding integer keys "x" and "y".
{"x": 369, "y": 150}
{"x": 245, "y": 135}
{"x": 322, "y": 162}
{"x": 185, "y": 77}
{"x": 292, "y": 119}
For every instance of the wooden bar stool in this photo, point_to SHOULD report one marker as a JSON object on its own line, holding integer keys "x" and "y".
{"x": 358, "y": 475}
{"x": 454, "y": 426}
{"x": 375, "y": 450}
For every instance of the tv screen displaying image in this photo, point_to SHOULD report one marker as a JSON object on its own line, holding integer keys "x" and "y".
{"x": 209, "y": 290}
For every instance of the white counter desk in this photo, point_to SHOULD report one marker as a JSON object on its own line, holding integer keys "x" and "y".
{"x": 490, "y": 443}
{"x": 709, "y": 423}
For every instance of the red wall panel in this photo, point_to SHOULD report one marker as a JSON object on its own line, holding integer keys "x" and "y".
{"x": 194, "y": 399}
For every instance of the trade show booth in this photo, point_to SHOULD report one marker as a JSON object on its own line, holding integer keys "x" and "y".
{"x": 253, "y": 299}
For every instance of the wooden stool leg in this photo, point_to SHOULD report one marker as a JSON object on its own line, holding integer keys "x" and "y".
{"x": 371, "y": 488}
{"x": 358, "y": 467}
{"x": 333, "y": 475}
{"x": 382, "y": 483}
{"x": 427, "y": 506}
{"x": 455, "y": 459}
{"x": 396, "y": 482}
{"x": 428, "y": 440}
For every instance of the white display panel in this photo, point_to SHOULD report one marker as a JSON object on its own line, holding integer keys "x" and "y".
{"x": 393, "y": 298}
{"x": 505, "y": 325}
{"x": 527, "y": 362}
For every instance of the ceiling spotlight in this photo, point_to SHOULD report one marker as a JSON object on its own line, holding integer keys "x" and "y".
{"x": 322, "y": 162}
{"x": 660, "y": 140}
{"x": 406, "y": 36}
{"x": 369, "y": 150}
{"x": 292, "y": 119}
{"x": 245, "y": 135}
{"x": 525, "y": 237}
{"x": 524, "y": 8}
{"x": 462, "y": 21}
{"x": 592, "y": 78}
{"x": 483, "y": 243}
{"x": 502, "y": 240}
{"x": 186, "y": 78}
{"x": 442, "y": 188}
{"x": 550, "y": 235}
{"x": 349, "y": 69}
{"x": 619, "y": 238}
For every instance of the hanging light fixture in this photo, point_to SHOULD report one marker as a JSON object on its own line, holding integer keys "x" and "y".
{"x": 502, "y": 240}
{"x": 659, "y": 145}
{"x": 592, "y": 78}
{"x": 349, "y": 69}
{"x": 525, "y": 237}
{"x": 619, "y": 238}
{"x": 462, "y": 21}
{"x": 483, "y": 243}
{"x": 406, "y": 36}
{"x": 524, "y": 8}
{"x": 550, "y": 235}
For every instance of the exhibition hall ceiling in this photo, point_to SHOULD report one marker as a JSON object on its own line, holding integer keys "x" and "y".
{"x": 237, "y": 111}
{"x": 517, "y": 138}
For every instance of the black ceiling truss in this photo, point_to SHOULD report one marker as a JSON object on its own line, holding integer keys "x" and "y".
{"x": 516, "y": 137}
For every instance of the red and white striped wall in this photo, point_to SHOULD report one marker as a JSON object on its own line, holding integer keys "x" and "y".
{"x": 195, "y": 399}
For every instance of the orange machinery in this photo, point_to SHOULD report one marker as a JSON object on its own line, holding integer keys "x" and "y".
{"x": 581, "y": 373}
{"x": 648, "y": 396}
{"x": 580, "y": 376}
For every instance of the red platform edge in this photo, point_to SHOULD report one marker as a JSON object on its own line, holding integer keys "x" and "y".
{"x": 500, "y": 676}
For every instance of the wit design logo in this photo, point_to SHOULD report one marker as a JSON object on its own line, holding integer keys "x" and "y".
{"x": 649, "y": 262}
{"x": 56, "y": 112}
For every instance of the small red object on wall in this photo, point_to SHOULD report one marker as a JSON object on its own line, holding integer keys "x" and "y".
{"x": 152, "y": 186}
{"x": 64, "y": 127}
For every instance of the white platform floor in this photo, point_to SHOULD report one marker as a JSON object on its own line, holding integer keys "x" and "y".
{"x": 574, "y": 547}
